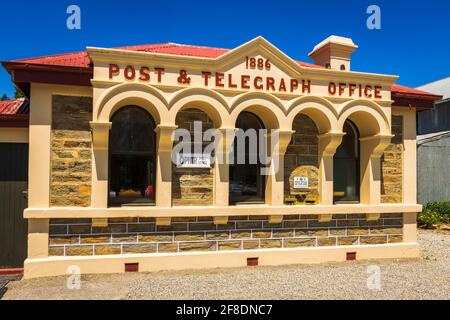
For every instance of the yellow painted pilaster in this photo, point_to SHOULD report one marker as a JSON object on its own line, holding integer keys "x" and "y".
{"x": 39, "y": 147}
{"x": 328, "y": 144}
{"x": 38, "y": 230}
{"x": 165, "y": 135}
{"x": 222, "y": 167}
{"x": 279, "y": 141}
{"x": 100, "y": 156}
{"x": 410, "y": 227}
{"x": 372, "y": 149}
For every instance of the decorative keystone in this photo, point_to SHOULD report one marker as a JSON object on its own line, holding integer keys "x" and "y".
{"x": 275, "y": 219}
{"x": 323, "y": 218}
{"x": 220, "y": 220}
{"x": 163, "y": 221}
{"x": 100, "y": 222}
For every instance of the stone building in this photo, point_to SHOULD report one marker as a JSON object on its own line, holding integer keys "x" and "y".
{"x": 106, "y": 194}
{"x": 437, "y": 119}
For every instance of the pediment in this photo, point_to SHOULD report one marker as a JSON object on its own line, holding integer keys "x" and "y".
{"x": 259, "y": 49}
{"x": 256, "y": 65}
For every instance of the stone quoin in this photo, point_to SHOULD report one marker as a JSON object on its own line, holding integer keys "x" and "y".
{"x": 104, "y": 193}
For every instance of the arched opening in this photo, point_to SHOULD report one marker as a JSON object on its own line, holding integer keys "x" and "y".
{"x": 301, "y": 161}
{"x": 247, "y": 184}
{"x": 132, "y": 140}
{"x": 347, "y": 166}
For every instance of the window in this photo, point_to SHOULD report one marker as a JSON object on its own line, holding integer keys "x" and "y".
{"x": 347, "y": 167}
{"x": 132, "y": 158}
{"x": 246, "y": 182}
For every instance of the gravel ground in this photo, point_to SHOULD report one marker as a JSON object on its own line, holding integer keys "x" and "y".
{"x": 4, "y": 280}
{"x": 427, "y": 278}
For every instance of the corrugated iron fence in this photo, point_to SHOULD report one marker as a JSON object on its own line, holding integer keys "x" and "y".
{"x": 434, "y": 170}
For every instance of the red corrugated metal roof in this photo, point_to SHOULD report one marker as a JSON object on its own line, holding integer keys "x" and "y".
{"x": 402, "y": 89}
{"x": 14, "y": 107}
{"x": 14, "y": 113}
{"x": 81, "y": 59}
{"x": 179, "y": 49}
{"x": 309, "y": 65}
{"x": 74, "y": 59}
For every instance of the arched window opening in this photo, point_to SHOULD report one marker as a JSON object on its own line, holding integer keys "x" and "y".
{"x": 193, "y": 186}
{"x": 347, "y": 167}
{"x": 301, "y": 161}
{"x": 247, "y": 184}
{"x": 132, "y": 166}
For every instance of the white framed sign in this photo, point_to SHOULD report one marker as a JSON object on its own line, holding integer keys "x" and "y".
{"x": 193, "y": 160}
{"x": 301, "y": 183}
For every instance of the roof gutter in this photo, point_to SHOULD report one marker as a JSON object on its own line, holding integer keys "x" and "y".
{"x": 421, "y": 102}
{"x": 438, "y": 136}
{"x": 14, "y": 121}
{"x": 23, "y": 73}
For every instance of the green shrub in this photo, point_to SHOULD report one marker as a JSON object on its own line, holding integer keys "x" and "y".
{"x": 435, "y": 213}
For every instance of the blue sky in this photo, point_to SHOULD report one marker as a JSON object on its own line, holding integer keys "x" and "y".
{"x": 413, "y": 42}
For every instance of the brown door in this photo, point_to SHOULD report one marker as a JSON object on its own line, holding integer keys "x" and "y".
{"x": 13, "y": 200}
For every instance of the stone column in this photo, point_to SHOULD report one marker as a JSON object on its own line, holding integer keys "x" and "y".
{"x": 279, "y": 141}
{"x": 165, "y": 135}
{"x": 372, "y": 149}
{"x": 328, "y": 143}
{"x": 100, "y": 169}
{"x": 222, "y": 167}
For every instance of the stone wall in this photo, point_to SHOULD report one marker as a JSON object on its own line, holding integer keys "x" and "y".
{"x": 77, "y": 237}
{"x": 192, "y": 187}
{"x": 302, "y": 157}
{"x": 392, "y": 165}
{"x": 70, "y": 184}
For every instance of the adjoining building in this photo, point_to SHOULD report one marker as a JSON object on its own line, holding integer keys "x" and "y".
{"x": 433, "y": 145}
{"x": 105, "y": 195}
{"x": 437, "y": 119}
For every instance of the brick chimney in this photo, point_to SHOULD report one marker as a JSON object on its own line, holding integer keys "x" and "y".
{"x": 334, "y": 53}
